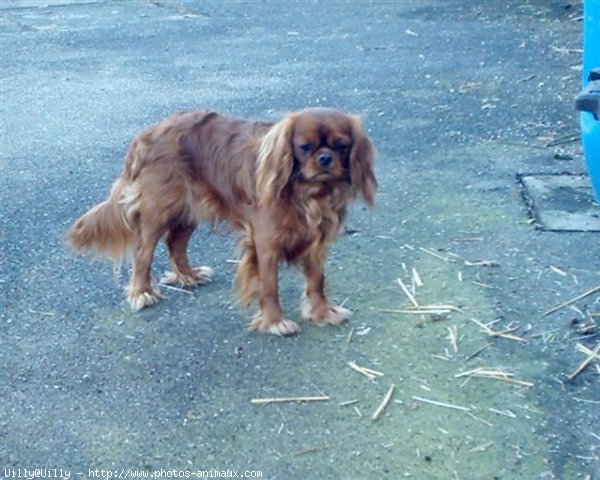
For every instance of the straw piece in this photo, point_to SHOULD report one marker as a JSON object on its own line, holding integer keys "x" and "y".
{"x": 482, "y": 448}
{"x": 436, "y": 255}
{"x": 423, "y": 310}
{"x": 573, "y": 300}
{"x": 316, "y": 448}
{"x": 384, "y": 403}
{"x": 495, "y": 374}
{"x": 485, "y": 422}
{"x": 435, "y": 307}
{"x": 453, "y": 337}
{"x": 506, "y": 413}
{"x": 367, "y": 372}
{"x": 350, "y": 335}
{"x": 410, "y": 296}
{"x": 176, "y": 289}
{"x": 417, "y": 278}
{"x": 477, "y": 352}
{"x": 265, "y": 401}
{"x": 441, "y": 404}
{"x": 482, "y": 263}
{"x": 558, "y": 270}
{"x": 592, "y": 354}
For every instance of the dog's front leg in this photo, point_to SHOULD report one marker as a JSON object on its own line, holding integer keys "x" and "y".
{"x": 270, "y": 318}
{"x": 316, "y": 308}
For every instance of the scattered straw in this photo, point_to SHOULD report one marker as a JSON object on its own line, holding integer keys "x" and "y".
{"x": 507, "y": 333}
{"x": 591, "y": 291}
{"x": 384, "y": 403}
{"x": 265, "y": 401}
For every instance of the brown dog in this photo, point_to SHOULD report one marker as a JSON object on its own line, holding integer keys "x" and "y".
{"x": 284, "y": 186}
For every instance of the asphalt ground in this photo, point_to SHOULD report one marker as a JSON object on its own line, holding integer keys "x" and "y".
{"x": 459, "y": 98}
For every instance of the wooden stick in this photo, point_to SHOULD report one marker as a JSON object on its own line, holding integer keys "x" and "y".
{"x": 591, "y": 356}
{"x": 441, "y": 404}
{"x": 573, "y": 300}
{"x": 384, "y": 403}
{"x": 265, "y": 401}
{"x": 410, "y": 296}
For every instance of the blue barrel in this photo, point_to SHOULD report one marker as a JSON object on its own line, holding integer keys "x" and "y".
{"x": 588, "y": 102}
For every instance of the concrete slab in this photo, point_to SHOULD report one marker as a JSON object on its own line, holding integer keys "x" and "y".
{"x": 562, "y": 202}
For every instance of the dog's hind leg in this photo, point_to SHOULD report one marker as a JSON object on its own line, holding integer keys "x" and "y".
{"x": 183, "y": 274}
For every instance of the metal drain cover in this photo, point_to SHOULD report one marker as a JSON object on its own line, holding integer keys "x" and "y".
{"x": 562, "y": 202}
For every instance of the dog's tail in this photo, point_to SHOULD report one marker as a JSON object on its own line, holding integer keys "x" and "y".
{"x": 109, "y": 228}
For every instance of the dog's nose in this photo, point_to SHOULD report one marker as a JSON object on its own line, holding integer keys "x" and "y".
{"x": 324, "y": 159}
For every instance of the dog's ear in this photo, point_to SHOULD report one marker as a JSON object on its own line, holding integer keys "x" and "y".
{"x": 275, "y": 161}
{"x": 362, "y": 157}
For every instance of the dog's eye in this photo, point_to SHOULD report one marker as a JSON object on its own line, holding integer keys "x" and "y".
{"x": 339, "y": 146}
{"x": 306, "y": 147}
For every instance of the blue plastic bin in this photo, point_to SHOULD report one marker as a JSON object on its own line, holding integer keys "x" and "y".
{"x": 588, "y": 102}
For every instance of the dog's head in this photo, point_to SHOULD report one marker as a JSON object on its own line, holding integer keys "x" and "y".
{"x": 317, "y": 145}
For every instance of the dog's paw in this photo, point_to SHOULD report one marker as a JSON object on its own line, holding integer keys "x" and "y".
{"x": 140, "y": 300}
{"x": 198, "y": 276}
{"x": 283, "y": 327}
{"x": 327, "y": 314}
